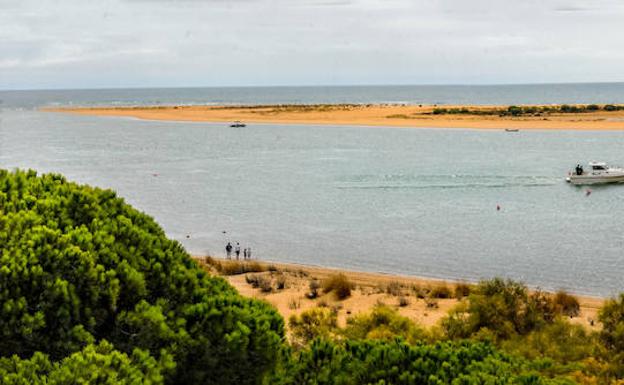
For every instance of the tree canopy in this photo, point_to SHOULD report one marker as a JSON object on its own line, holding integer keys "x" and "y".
{"x": 79, "y": 266}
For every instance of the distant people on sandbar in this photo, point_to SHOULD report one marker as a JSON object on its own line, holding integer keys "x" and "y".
{"x": 228, "y": 250}
{"x": 237, "y": 251}
{"x": 245, "y": 253}
{"x": 249, "y": 253}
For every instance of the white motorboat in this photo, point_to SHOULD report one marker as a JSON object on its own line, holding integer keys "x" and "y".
{"x": 598, "y": 173}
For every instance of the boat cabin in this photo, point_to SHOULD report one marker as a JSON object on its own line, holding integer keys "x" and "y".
{"x": 598, "y": 166}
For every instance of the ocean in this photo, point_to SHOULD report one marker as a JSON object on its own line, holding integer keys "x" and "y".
{"x": 405, "y": 201}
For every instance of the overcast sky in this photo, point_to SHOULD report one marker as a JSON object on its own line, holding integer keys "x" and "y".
{"x": 149, "y": 43}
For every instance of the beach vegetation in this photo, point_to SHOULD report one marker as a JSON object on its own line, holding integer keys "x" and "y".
{"x": 394, "y": 288}
{"x": 567, "y": 304}
{"x": 314, "y": 286}
{"x": 441, "y": 292}
{"x": 518, "y": 111}
{"x": 310, "y": 324}
{"x": 338, "y": 284}
{"x": 383, "y": 323}
{"x": 462, "y": 290}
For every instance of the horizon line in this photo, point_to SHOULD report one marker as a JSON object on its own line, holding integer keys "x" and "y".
{"x": 311, "y": 86}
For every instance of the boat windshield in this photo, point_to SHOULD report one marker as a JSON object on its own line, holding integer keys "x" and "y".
{"x": 598, "y": 167}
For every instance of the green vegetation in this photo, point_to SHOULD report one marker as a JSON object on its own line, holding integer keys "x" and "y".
{"x": 515, "y": 111}
{"x": 92, "y": 292}
{"x": 78, "y": 266}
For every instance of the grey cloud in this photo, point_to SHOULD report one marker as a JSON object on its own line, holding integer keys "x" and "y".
{"x": 261, "y": 42}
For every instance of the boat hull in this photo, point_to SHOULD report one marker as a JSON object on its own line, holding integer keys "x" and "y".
{"x": 595, "y": 179}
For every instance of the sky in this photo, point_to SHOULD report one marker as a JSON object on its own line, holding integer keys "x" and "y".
{"x": 168, "y": 43}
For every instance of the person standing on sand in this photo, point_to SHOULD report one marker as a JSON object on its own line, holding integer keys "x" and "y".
{"x": 228, "y": 250}
{"x": 244, "y": 253}
{"x": 237, "y": 251}
{"x": 249, "y": 253}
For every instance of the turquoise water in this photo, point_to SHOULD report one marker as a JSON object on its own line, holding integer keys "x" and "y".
{"x": 409, "y": 201}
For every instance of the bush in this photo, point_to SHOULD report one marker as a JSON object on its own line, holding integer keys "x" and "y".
{"x": 280, "y": 282}
{"x": 265, "y": 284}
{"x": 403, "y": 302}
{"x": 315, "y": 285}
{"x": 395, "y": 362}
{"x": 504, "y": 308}
{"x": 95, "y": 268}
{"x": 239, "y": 267}
{"x": 383, "y": 323}
{"x": 612, "y": 317}
{"x": 440, "y": 292}
{"x": 462, "y": 290}
{"x": 313, "y": 323}
{"x": 567, "y": 304}
{"x": 339, "y": 284}
{"x": 394, "y": 288}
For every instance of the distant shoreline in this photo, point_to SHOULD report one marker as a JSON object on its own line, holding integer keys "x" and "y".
{"x": 550, "y": 117}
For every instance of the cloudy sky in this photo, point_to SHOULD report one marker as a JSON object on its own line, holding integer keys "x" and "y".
{"x": 148, "y": 43}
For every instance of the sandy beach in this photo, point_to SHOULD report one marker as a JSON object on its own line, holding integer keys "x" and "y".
{"x": 371, "y": 289}
{"x": 478, "y": 117}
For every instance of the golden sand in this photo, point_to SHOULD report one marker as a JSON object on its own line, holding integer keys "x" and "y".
{"x": 364, "y": 115}
{"x": 371, "y": 289}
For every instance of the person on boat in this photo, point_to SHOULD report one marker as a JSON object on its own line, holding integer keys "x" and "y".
{"x": 228, "y": 250}
{"x": 579, "y": 169}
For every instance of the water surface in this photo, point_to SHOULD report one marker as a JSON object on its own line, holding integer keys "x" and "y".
{"x": 397, "y": 200}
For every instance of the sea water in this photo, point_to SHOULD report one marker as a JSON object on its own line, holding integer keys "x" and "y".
{"x": 396, "y": 200}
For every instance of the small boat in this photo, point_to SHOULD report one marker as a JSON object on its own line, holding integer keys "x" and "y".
{"x": 238, "y": 124}
{"x": 512, "y": 129}
{"x": 598, "y": 173}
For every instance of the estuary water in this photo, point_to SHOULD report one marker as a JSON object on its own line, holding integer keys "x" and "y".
{"x": 396, "y": 200}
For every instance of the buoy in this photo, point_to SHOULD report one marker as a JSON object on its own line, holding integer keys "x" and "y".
{"x": 497, "y": 207}
{"x": 588, "y": 192}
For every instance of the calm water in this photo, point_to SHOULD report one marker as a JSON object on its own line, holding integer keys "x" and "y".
{"x": 496, "y": 94}
{"x": 410, "y": 201}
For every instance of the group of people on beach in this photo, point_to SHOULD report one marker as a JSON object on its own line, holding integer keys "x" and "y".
{"x": 237, "y": 251}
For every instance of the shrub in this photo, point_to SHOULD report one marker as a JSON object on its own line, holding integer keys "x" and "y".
{"x": 315, "y": 285}
{"x": 239, "y": 267}
{"x": 265, "y": 284}
{"x": 567, "y": 304}
{"x": 95, "y": 268}
{"x": 280, "y": 282}
{"x": 403, "y": 301}
{"x": 441, "y": 292}
{"x": 396, "y": 362}
{"x": 503, "y": 307}
{"x": 339, "y": 284}
{"x": 612, "y": 317}
{"x": 394, "y": 288}
{"x": 462, "y": 290}
{"x": 383, "y": 323}
{"x": 311, "y": 324}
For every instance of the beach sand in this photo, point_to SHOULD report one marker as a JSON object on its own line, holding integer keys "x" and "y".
{"x": 364, "y": 115}
{"x": 371, "y": 289}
